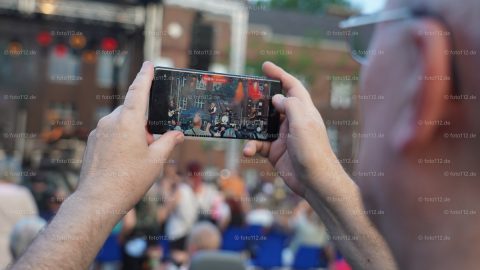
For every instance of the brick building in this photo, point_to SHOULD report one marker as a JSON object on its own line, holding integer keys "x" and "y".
{"x": 75, "y": 66}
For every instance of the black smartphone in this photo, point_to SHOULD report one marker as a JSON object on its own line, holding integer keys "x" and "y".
{"x": 207, "y": 104}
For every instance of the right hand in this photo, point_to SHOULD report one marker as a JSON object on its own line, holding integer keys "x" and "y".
{"x": 302, "y": 154}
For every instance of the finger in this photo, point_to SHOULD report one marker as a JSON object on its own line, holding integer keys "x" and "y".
{"x": 277, "y": 102}
{"x": 150, "y": 138}
{"x": 136, "y": 99}
{"x": 253, "y": 147}
{"x": 291, "y": 107}
{"x": 293, "y": 86}
{"x": 163, "y": 147}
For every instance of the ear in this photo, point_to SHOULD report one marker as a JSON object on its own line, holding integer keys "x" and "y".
{"x": 429, "y": 106}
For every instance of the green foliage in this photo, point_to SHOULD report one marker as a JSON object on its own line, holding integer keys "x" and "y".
{"x": 300, "y": 63}
{"x": 311, "y": 6}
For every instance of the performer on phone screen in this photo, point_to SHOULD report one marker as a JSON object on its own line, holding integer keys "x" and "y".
{"x": 213, "y": 112}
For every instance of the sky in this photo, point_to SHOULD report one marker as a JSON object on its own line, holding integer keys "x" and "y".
{"x": 368, "y": 6}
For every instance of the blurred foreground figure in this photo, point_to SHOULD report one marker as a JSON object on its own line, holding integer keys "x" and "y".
{"x": 16, "y": 202}
{"x": 24, "y": 233}
{"x": 204, "y": 236}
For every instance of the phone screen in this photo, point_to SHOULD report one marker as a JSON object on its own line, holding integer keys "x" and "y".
{"x": 205, "y": 104}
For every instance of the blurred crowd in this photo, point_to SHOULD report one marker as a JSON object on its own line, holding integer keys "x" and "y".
{"x": 187, "y": 212}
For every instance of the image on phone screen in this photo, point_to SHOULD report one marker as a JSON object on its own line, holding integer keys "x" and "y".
{"x": 205, "y": 104}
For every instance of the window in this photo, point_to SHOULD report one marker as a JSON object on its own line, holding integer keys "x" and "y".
{"x": 303, "y": 79}
{"x": 341, "y": 96}
{"x": 100, "y": 112}
{"x": 63, "y": 66}
{"x": 105, "y": 67}
{"x": 184, "y": 103}
{"x": 199, "y": 102}
{"x": 201, "y": 85}
{"x": 332, "y": 133}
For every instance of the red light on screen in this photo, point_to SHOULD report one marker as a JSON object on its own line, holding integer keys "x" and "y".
{"x": 61, "y": 50}
{"x": 214, "y": 78}
{"x": 44, "y": 38}
{"x": 109, "y": 44}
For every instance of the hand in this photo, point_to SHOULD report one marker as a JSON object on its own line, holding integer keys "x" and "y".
{"x": 122, "y": 159}
{"x": 302, "y": 154}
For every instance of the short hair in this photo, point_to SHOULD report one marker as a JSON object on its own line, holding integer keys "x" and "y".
{"x": 204, "y": 236}
{"x": 23, "y": 234}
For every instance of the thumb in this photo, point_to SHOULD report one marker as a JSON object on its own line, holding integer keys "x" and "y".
{"x": 163, "y": 147}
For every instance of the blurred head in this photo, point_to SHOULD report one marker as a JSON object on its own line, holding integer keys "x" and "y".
{"x": 194, "y": 174}
{"x": 197, "y": 120}
{"x": 261, "y": 201}
{"x": 415, "y": 119}
{"x": 56, "y": 199}
{"x": 8, "y": 173}
{"x": 204, "y": 236}
{"x": 24, "y": 233}
{"x": 170, "y": 172}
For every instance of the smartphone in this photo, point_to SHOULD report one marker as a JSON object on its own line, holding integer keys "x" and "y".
{"x": 207, "y": 104}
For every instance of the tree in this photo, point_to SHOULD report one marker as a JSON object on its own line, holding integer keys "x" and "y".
{"x": 312, "y": 6}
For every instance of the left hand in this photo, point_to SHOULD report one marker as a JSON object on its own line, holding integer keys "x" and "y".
{"x": 122, "y": 159}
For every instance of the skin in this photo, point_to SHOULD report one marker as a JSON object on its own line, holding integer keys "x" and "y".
{"x": 421, "y": 234}
{"x": 121, "y": 163}
{"x": 310, "y": 168}
{"x": 303, "y": 155}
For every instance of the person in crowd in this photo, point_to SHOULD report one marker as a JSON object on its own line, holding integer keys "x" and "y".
{"x": 212, "y": 111}
{"x": 235, "y": 191}
{"x": 204, "y": 236}
{"x": 197, "y": 130}
{"x": 176, "y": 125}
{"x": 55, "y": 198}
{"x": 308, "y": 230}
{"x": 172, "y": 112}
{"x": 23, "y": 233}
{"x": 260, "y": 215}
{"x": 230, "y": 132}
{"x": 410, "y": 73}
{"x": 16, "y": 202}
{"x": 41, "y": 192}
{"x": 142, "y": 223}
{"x": 207, "y": 195}
{"x": 181, "y": 213}
{"x": 9, "y": 160}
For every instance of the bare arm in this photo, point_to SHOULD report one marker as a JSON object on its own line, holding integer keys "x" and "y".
{"x": 307, "y": 163}
{"x": 120, "y": 164}
{"x": 72, "y": 239}
{"x": 350, "y": 228}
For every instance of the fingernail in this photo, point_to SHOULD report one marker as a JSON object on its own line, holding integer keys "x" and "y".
{"x": 279, "y": 97}
{"x": 179, "y": 138}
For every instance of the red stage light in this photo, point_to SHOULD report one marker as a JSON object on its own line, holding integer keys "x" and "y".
{"x": 44, "y": 38}
{"x": 109, "y": 44}
{"x": 61, "y": 50}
